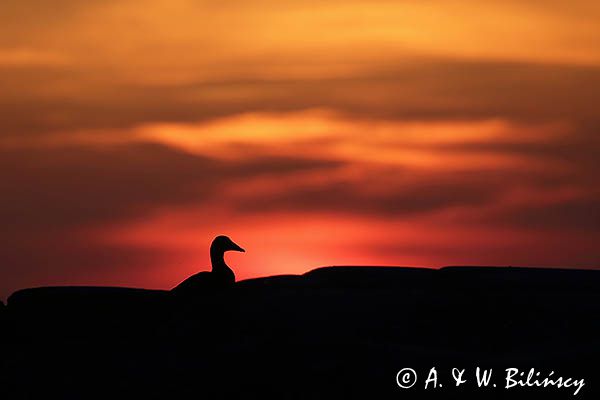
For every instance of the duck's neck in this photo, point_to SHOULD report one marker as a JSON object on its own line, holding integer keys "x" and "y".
{"x": 217, "y": 260}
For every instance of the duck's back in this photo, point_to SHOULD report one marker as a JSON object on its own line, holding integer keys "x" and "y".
{"x": 203, "y": 282}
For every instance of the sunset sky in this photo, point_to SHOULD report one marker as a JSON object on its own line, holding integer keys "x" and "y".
{"x": 422, "y": 133}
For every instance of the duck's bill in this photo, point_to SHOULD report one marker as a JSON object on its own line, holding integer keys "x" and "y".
{"x": 237, "y": 248}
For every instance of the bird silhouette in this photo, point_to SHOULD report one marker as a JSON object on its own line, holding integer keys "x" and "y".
{"x": 221, "y": 276}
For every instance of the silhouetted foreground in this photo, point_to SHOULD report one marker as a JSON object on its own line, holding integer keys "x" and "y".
{"x": 339, "y": 332}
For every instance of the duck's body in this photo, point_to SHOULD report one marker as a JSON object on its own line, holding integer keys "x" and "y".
{"x": 220, "y": 277}
{"x": 203, "y": 281}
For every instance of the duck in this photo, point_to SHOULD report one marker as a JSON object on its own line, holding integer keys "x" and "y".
{"x": 220, "y": 277}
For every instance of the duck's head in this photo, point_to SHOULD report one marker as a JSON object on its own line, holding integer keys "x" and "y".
{"x": 222, "y": 243}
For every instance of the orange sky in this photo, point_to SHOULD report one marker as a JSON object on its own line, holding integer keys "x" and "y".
{"x": 313, "y": 133}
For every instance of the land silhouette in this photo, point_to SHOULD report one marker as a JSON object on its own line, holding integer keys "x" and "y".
{"x": 333, "y": 332}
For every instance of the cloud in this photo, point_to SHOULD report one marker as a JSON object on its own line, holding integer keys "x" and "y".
{"x": 506, "y": 199}
{"x": 21, "y": 57}
{"x": 40, "y": 101}
{"x": 579, "y": 214}
{"x": 297, "y": 32}
{"x": 392, "y": 192}
{"x": 80, "y": 185}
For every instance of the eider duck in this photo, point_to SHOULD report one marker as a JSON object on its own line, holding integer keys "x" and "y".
{"x": 221, "y": 275}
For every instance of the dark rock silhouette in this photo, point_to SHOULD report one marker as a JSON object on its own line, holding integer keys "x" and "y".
{"x": 220, "y": 277}
{"x": 335, "y": 332}
{"x": 2, "y": 323}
